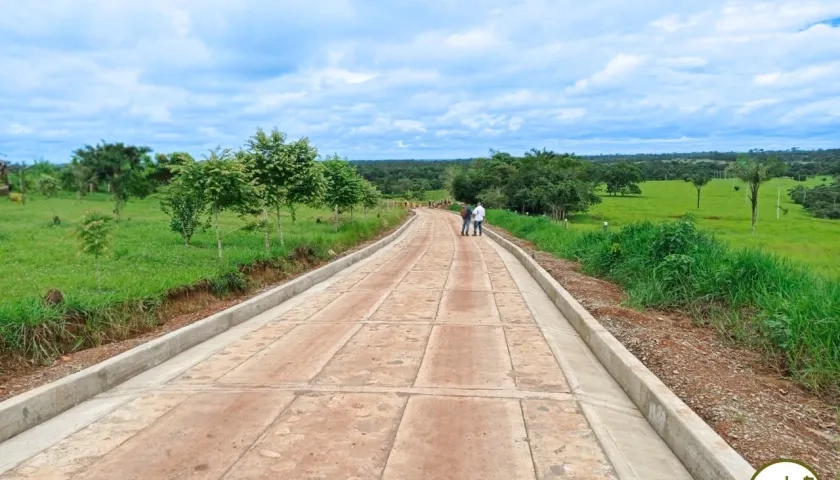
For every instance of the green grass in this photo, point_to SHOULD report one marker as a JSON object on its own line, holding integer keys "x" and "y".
{"x": 762, "y": 300}
{"x": 437, "y": 195}
{"x": 145, "y": 262}
{"x": 724, "y": 212}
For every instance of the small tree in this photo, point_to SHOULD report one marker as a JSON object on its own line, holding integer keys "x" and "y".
{"x": 285, "y": 174}
{"x": 753, "y": 173}
{"x": 699, "y": 180}
{"x": 184, "y": 207}
{"x": 47, "y": 185}
{"x": 306, "y": 184}
{"x": 94, "y": 237}
{"x": 344, "y": 186}
{"x": 370, "y": 196}
{"x": 224, "y": 183}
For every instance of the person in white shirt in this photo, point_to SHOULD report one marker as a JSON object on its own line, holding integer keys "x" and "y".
{"x": 478, "y": 218}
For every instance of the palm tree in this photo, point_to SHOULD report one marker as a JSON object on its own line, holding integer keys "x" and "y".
{"x": 698, "y": 180}
{"x": 753, "y": 174}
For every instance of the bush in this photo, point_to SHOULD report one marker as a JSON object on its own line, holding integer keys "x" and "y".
{"x": 758, "y": 298}
{"x": 47, "y": 185}
{"x": 184, "y": 208}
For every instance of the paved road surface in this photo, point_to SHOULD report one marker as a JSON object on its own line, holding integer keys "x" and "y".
{"x": 436, "y": 358}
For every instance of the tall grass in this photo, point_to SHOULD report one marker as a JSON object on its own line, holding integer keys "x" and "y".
{"x": 145, "y": 265}
{"x": 759, "y": 299}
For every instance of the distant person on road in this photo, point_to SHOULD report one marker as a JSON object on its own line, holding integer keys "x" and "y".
{"x": 466, "y": 215}
{"x": 478, "y": 218}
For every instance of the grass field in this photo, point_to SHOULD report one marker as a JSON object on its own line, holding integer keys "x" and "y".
{"x": 725, "y": 213}
{"x": 146, "y": 260}
{"x": 771, "y": 304}
{"x": 437, "y": 195}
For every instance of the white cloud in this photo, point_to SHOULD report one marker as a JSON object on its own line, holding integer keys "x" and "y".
{"x": 449, "y": 78}
{"x": 673, "y": 23}
{"x": 476, "y": 38}
{"x": 798, "y": 77}
{"x": 617, "y": 68}
{"x": 409, "y": 125}
{"x": 757, "y": 104}
{"x": 565, "y": 114}
{"x": 18, "y": 129}
{"x": 687, "y": 62}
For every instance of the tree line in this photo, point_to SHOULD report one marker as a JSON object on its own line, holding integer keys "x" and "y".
{"x": 268, "y": 175}
{"x": 821, "y": 201}
{"x": 562, "y": 184}
{"x": 411, "y": 178}
{"x": 540, "y": 182}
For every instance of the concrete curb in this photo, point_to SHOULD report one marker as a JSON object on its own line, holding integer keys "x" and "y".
{"x": 31, "y": 408}
{"x": 702, "y": 451}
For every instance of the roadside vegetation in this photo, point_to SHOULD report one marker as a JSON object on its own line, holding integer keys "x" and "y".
{"x": 95, "y": 256}
{"x": 654, "y": 245}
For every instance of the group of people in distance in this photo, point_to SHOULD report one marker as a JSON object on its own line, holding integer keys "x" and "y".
{"x": 477, "y": 217}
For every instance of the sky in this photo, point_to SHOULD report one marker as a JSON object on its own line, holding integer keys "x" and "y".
{"x": 419, "y": 79}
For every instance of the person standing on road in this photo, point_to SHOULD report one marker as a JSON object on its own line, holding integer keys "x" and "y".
{"x": 466, "y": 215}
{"x": 478, "y": 218}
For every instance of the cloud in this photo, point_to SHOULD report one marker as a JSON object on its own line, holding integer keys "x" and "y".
{"x": 673, "y": 23}
{"x": 18, "y": 129}
{"x": 756, "y": 104}
{"x": 618, "y": 67}
{"x": 798, "y": 77}
{"x": 476, "y": 38}
{"x": 419, "y": 79}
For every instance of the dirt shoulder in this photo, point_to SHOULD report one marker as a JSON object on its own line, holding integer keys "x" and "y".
{"x": 18, "y": 376}
{"x": 761, "y": 414}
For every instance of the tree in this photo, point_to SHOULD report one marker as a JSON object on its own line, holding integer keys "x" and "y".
{"x": 80, "y": 177}
{"x": 370, "y": 196}
{"x": 268, "y": 165}
{"x": 222, "y": 182}
{"x": 184, "y": 204}
{"x": 94, "y": 236}
{"x": 285, "y": 174}
{"x": 47, "y": 185}
{"x": 161, "y": 172}
{"x": 623, "y": 178}
{"x": 344, "y": 186}
{"x": 125, "y": 168}
{"x": 699, "y": 180}
{"x": 4, "y": 174}
{"x": 417, "y": 191}
{"x": 493, "y": 198}
{"x": 821, "y": 201}
{"x": 753, "y": 173}
{"x": 306, "y": 183}
{"x": 563, "y": 192}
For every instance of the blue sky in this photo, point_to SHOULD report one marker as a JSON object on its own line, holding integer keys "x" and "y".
{"x": 420, "y": 78}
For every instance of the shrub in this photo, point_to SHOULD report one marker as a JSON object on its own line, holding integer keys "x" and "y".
{"x": 758, "y": 298}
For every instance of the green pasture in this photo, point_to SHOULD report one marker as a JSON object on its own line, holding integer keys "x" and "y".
{"x": 726, "y": 213}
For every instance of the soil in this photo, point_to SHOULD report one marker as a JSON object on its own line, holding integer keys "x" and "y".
{"x": 182, "y": 308}
{"x": 738, "y": 392}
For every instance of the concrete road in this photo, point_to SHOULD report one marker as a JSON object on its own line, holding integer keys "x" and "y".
{"x": 436, "y": 358}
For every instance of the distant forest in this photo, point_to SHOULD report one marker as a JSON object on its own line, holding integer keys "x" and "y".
{"x": 413, "y": 177}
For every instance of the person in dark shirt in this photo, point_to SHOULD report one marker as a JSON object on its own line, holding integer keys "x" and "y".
{"x": 466, "y": 216}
